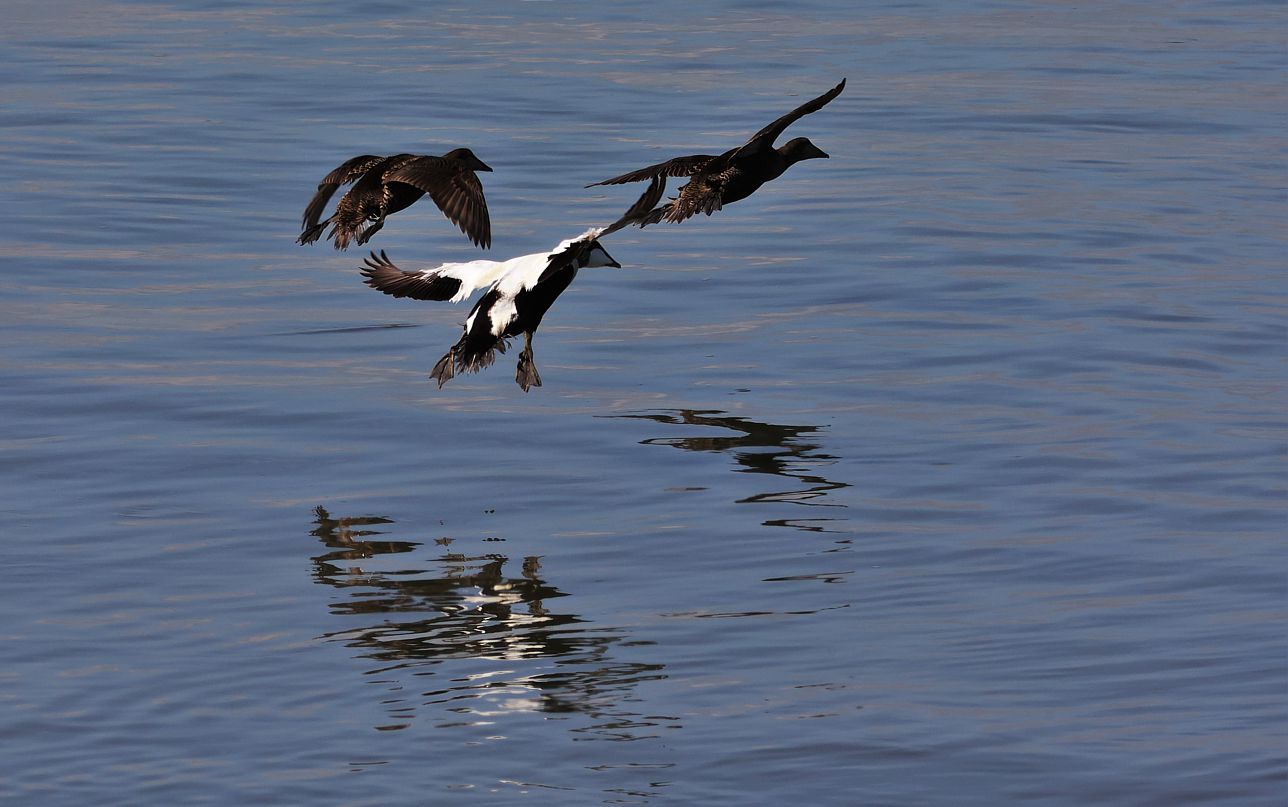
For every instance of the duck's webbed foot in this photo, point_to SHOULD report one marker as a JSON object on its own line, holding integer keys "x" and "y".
{"x": 526, "y": 374}
{"x": 445, "y": 369}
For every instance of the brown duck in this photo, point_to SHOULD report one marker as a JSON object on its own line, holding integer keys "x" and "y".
{"x": 715, "y": 181}
{"x": 386, "y": 185}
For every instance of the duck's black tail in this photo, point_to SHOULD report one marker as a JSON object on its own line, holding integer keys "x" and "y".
{"x": 469, "y": 355}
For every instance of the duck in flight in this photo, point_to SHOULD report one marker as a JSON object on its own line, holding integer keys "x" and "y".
{"x": 521, "y": 291}
{"x": 715, "y": 181}
{"x": 386, "y": 185}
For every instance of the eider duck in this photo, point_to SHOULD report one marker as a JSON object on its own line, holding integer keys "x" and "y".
{"x": 521, "y": 292}
{"x": 734, "y": 175}
{"x": 385, "y": 185}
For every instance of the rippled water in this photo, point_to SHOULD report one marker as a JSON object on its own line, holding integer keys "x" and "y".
{"x": 945, "y": 471}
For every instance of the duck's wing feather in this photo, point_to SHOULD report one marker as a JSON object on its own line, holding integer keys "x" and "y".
{"x": 637, "y": 213}
{"x": 677, "y": 167}
{"x": 765, "y": 137}
{"x": 455, "y": 189}
{"x": 347, "y": 172}
{"x": 383, "y": 275}
{"x": 642, "y": 207}
{"x": 702, "y": 194}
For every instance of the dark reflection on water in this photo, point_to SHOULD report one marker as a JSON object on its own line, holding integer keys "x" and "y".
{"x": 759, "y": 448}
{"x": 419, "y": 616}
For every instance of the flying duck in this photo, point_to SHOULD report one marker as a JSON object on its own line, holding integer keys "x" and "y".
{"x": 734, "y": 175}
{"x": 385, "y": 185}
{"x": 521, "y": 291}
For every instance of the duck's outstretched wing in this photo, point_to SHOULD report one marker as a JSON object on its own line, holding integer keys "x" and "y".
{"x": 637, "y": 212}
{"x": 455, "y": 189}
{"x": 642, "y": 207}
{"x": 702, "y": 194}
{"x": 765, "y": 137}
{"x": 677, "y": 167}
{"x": 347, "y": 172}
{"x": 382, "y": 275}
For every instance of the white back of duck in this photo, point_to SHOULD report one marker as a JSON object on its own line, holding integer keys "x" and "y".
{"x": 473, "y": 275}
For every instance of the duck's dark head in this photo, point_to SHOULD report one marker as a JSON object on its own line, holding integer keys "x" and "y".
{"x": 466, "y": 156}
{"x": 800, "y": 148}
{"x": 578, "y": 253}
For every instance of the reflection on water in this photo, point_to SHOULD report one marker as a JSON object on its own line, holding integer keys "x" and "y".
{"x": 1031, "y": 309}
{"x": 760, "y": 448}
{"x": 488, "y": 629}
{"x": 478, "y": 623}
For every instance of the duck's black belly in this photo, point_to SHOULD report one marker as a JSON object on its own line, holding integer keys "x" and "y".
{"x": 533, "y": 304}
{"x": 740, "y": 186}
{"x": 749, "y": 173}
{"x": 401, "y": 196}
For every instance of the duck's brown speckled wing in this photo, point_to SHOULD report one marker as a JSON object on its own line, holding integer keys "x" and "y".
{"x": 702, "y": 194}
{"x": 677, "y": 167}
{"x": 765, "y": 137}
{"x": 348, "y": 171}
{"x": 455, "y": 189}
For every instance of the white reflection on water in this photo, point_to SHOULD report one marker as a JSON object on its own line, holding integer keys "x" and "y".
{"x": 518, "y": 651}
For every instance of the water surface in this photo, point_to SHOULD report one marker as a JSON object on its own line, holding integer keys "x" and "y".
{"x": 948, "y": 470}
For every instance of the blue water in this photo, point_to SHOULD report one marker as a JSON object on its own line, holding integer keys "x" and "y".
{"x": 949, "y": 470}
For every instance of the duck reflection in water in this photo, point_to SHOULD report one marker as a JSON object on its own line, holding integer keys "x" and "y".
{"x": 758, "y": 448}
{"x": 471, "y": 611}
